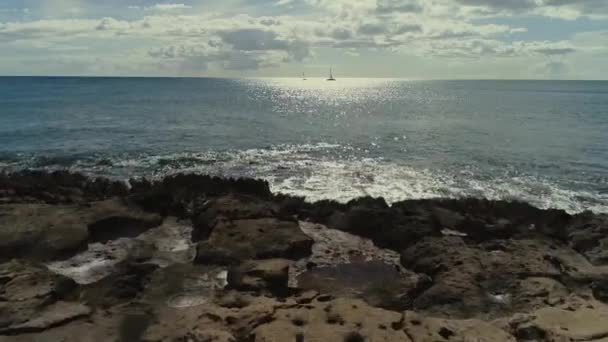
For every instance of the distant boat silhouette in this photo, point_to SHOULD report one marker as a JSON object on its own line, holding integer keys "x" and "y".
{"x": 331, "y": 75}
{"x": 303, "y": 77}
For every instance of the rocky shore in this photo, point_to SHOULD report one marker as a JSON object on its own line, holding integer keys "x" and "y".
{"x": 197, "y": 258}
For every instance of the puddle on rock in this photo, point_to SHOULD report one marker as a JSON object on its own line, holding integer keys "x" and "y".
{"x": 186, "y": 300}
{"x": 334, "y": 247}
{"x": 164, "y": 245}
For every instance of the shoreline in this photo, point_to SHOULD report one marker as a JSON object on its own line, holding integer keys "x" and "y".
{"x": 200, "y": 258}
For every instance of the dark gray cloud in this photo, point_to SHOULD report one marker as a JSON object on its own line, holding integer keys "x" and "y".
{"x": 372, "y": 29}
{"x": 270, "y": 22}
{"x": 408, "y": 28}
{"x": 514, "y": 5}
{"x": 393, "y": 6}
{"x": 555, "y": 51}
{"x": 450, "y": 34}
{"x": 585, "y": 7}
{"x": 341, "y": 34}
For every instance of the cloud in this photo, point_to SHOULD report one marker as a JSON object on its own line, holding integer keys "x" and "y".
{"x": 555, "y": 51}
{"x": 168, "y": 7}
{"x": 392, "y": 6}
{"x": 166, "y": 38}
{"x": 372, "y": 29}
{"x": 253, "y": 40}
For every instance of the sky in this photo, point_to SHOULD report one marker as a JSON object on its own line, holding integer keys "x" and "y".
{"x": 415, "y": 39}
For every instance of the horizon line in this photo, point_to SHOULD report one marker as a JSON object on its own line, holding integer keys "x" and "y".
{"x": 309, "y": 77}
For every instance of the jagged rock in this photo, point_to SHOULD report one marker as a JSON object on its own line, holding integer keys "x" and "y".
{"x": 176, "y": 194}
{"x": 588, "y": 234}
{"x": 31, "y": 299}
{"x": 493, "y": 278}
{"x": 58, "y": 187}
{"x": 254, "y": 239}
{"x": 260, "y": 275}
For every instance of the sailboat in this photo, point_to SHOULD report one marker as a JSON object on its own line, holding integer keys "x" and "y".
{"x": 303, "y": 77}
{"x": 331, "y": 75}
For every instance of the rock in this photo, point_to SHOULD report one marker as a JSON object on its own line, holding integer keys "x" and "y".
{"x": 421, "y": 328}
{"x": 49, "y": 317}
{"x": 112, "y": 219}
{"x": 58, "y": 187}
{"x": 375, "y": 282}
{"x": 600, "y": 290}
{"x": 41, "y": 231}
{"x": 32, "y": 299}
{"x": 588, "y": 234}
{"x": 447, "y": 219}
{"x": 175, "y": 195}
{"x": 346, "y": 320}
{"x": 254, "y": 239}
{"x": 124, "y": 286}
{"x": 230, "y": 207}
{"x": 494, "y": 278}
{"x": 260, "y": 275}
{"x": 582, "y": 323}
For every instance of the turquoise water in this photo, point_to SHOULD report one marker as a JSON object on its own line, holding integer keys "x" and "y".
{"x": 541, "y": 141}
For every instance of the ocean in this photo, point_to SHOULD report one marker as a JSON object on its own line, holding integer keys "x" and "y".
{"x": 545, "y": 142}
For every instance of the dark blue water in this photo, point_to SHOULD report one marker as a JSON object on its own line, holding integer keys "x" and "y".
{"x": 540, "y": 141}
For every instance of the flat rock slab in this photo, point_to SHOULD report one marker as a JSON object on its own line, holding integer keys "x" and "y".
{"x": 31, "y": 299}
{"x": 377, "y": 283}
{"x": 259, "y": 275}
{"x": 49, "y": 317}
{"x": 40, "y": 231}
{"x": 586, "y": 323}
{"x": 267, "y": 238}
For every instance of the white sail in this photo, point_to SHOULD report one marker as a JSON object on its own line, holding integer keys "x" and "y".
{"x": 331, "y": 75}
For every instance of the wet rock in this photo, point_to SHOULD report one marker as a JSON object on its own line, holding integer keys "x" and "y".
{"x": 254, "y": 239}
{"x": 386, "y": 227}
{"x": 34, "y": 299}
{"x": 600, "y": 290}
{"x": 588, "y": 234}
{"x": 124, "y": 286}
{"x": 113, "y": 219}
{"x": 59, "y": 187}
{"x": 175, "y": 195}
{"x": 259, "y": 275}
{"x": 375, "y": 282}
{"x": 447, "y": 219}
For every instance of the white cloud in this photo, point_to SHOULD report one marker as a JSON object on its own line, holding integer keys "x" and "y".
{"x": 163, "y": 39}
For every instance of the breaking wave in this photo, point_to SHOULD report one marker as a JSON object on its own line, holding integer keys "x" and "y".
{"x": 338, "y": 172}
